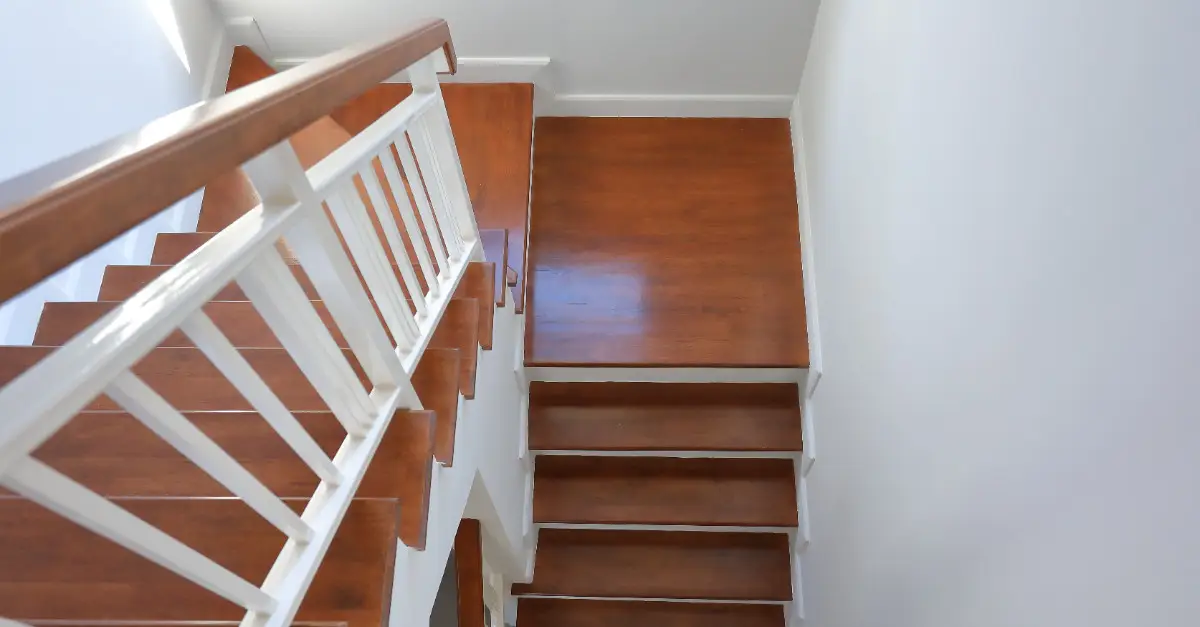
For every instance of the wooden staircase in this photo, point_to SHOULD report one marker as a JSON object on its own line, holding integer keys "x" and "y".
{"x": 662, "y": 504}
{"x": 42, "y": 574}
{"x": 53, "y": 570}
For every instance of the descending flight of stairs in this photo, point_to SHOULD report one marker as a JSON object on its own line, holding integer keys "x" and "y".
{"x": 51, "y": 569}
{"x": 662, "y": 504}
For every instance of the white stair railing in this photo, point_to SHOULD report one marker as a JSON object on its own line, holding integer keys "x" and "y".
{"x": 295, "y": 209}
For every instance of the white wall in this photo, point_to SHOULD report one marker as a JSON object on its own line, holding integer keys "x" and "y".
{"x": 1005, "y": 214}
{"x": 77, "y": 73}
{"x": 685, "y": 57}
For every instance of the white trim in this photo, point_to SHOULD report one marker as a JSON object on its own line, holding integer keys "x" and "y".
{"x": 808, "y": 256}
{"x": 586, "y": 374}
{"x": 671, "y": 105}
{"x": 809, "y": 455}
{"x": 804, "y": 528}
{"x": 654, "y": 599}
{"x": 216, "y": 74}
{"x": 244, "y": 31}
{"x": 642, "y": 527}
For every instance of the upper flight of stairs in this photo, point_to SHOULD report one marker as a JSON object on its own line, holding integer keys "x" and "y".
{"x": 54, "y": 570}
{"x": 662, "y": 504}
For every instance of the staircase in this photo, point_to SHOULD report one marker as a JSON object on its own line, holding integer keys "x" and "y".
{"x": 284, "y": 416}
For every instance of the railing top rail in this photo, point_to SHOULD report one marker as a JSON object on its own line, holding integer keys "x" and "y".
{"x": 56, "y": 214}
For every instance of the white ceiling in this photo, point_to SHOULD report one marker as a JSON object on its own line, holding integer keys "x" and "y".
{"x": 708, "y": 47}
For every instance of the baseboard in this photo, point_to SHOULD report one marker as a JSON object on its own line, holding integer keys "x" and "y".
{"x": 807, "y": 254}
{"x": 670, "y": 105}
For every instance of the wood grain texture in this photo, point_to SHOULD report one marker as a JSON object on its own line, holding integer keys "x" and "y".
{"x": 664, "y": 242}
{"x": 661, "y": 564}
{"x": 245, "y": 328}
{"x": 171, "y": 248}
{"x": 625, "y": 393}
{"x": 551, "y": 612}
{"x": 664, "y": 428}
{"x": 108, "y": 189}
{"x": 436, "y": 383}
{"x": 120, "y": 282}
{"x": 664, "y": 491}
{"x": 52, "y": 569}
{"x": 493, "y": 130}
{"x": 115, "y": 455}
{"x": 189, "y": 381}
{"x": 495, "y": 250}
{"x": 627, "y": 416}
{"x": 468, "y": 571}
{"x": 479, "y": 283}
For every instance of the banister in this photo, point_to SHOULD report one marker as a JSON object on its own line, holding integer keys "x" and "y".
{"x": 56, "y": 214}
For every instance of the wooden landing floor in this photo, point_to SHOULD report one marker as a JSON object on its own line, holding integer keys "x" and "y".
{"x": 664, "y": 242}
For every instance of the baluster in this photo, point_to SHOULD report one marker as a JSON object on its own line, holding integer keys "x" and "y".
{"x": 387, "y": 223}
{"x": 435, "y": 182}
{"x": 421, "y": 193}
{"x": 411, "y": 226}
{"x": 58, "y": 493}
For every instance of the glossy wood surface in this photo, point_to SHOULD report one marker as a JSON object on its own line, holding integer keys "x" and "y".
{"x": 52, "y": 569}
{"x": 479, "y": 283}
{"x": 436, "y": 381}
{"x": 493, "y": 131}
{"x": 664, "y": 417}
{"x": 495, "y": 250}
{"x": 551, "y": 612}
{"x": 115, "y": 455}
{"x": 108, "y": 189}
{"x": 468, "y": 573}
{"x": 664, "y": 242}
{"x": 661, "y": 564}
{"x": 664, "y": 491}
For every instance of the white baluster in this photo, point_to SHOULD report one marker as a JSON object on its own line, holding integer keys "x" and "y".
{"x": 164, "y": 420}
{"x": 435, "y": 182}
{"x": 421, "y": 193}
{"x": 54, "y": 491}
{"x": 424, "y": 79}
{"x": 383, "y": 211}
{"x": 348, "y": 404}
{"x": 277, "y": 173}
{"x": 411, "y": 226}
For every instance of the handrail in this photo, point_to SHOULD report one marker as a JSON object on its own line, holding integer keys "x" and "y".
{"x": 112, "y": 187}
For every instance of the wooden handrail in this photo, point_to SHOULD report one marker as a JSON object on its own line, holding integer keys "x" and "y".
{"x": 56, "y": 214}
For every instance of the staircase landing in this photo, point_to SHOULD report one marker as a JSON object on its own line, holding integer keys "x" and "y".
{"x": 664, "y": 242}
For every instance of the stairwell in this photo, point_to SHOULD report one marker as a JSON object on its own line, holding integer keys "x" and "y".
{"x": 664, "y": 360}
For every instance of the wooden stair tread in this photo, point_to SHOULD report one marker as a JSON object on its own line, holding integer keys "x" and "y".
{"x": 120, "y": 282}
{"x": 642, "y": 393}
{"x": 186, "y": 378}
{"x": 51, "y": 569}
{"x": 495, "y": 250}
{"x": 551, "y": 612}
{"x": 479, "y": 283}
{"x": 245, "y": 328}
{"x": 664, "y": 491}
{"x": 661, "y": 564}
{"x": 436, "y": 382}
{"x": 113, "y": 454}
{"x": 664, "y": 417}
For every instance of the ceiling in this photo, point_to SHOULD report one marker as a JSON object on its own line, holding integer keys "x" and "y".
{"x": 734, "y": 49}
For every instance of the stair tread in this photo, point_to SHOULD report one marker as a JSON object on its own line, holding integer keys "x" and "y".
{"x": 479, "y": 283}
{"x": 664, "y": 491}
{"x": 723, "y": 566}
{"x": 624, "y": 416}
{"x": 245, "y": 328}
{"x": 495, "y": 250}
{"x": 436, "y": 382}
{"x": 43, "y": 578}
{"x": 551, "y": 612}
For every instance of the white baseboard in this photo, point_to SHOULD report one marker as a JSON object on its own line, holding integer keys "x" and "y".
{"x": 670, "y": 105}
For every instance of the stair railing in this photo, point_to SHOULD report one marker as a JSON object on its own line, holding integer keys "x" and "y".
{"x": 406, "y": 162}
